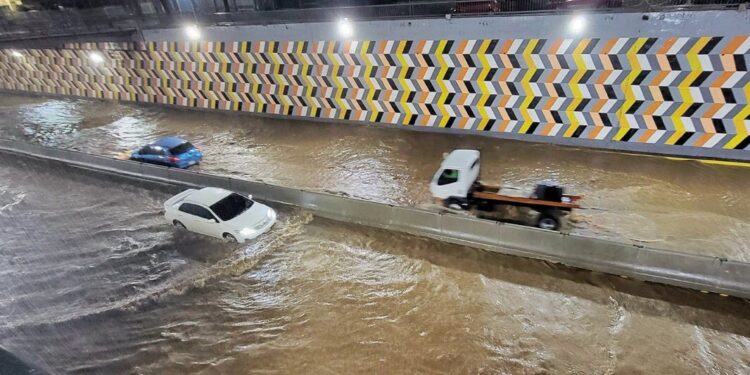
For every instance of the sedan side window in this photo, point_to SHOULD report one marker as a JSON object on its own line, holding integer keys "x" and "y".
{"x": 188, "y": 208}
{"x": 152, "y": 150}
{"x": 156, "y": 150}
{"x": 204, "y": 213}
{"x": 448, "y": 176}
{"x": 196, "y": 210}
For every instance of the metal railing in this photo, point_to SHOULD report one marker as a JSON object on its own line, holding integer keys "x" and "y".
{"x": 20, "y": 25}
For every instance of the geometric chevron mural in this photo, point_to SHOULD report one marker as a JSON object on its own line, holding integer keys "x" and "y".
{"x": 669, "y": 91}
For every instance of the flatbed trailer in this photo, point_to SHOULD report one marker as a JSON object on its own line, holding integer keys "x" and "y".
{"x": 456, "y": 184}
{"x": 490, "y": 193}
{"x": 487, "y": 197}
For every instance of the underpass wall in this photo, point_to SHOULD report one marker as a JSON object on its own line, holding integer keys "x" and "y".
{"x": 674, "y": 83}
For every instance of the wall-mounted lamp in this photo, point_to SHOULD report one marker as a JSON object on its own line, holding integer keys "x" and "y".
{"x": 192, "y": 32}
{"x": 96, "y": 57}
{"x": 577, "y": 24}
{"x": 345, "y": 27}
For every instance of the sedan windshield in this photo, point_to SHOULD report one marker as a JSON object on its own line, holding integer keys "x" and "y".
{"x": 231, "y": 206}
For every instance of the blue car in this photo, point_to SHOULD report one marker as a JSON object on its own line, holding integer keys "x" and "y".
{"x": 169, "y": 151}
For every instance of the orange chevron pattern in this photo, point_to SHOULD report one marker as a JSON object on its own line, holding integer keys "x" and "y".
{"x": 681, "y": 92}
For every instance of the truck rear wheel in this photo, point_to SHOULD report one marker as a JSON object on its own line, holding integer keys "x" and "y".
{"x": 548, "y": 222}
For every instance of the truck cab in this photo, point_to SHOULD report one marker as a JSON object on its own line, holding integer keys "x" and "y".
{"x": 454, "y": 180}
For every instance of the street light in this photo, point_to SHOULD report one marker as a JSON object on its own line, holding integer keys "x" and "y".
{"x": 96, "y": 57}
{"x": 192, "y": 32}
{"x": 346, "y": 29}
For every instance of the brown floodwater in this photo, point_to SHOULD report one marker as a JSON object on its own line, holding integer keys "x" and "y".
{"x": 92, "y": 280}
{"x": 680, "y": 205}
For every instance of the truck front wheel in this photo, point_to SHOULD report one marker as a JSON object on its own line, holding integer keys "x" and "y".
{"x": 453, "y": 203}
{"x": 548, "y": 222}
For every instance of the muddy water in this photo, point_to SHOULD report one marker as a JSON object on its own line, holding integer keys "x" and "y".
{"x": 92, "y": 281}
{"x": 680, "y": 205}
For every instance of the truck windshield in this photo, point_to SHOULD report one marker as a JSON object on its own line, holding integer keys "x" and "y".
{"x": 448, "y": 176}
{"x": 231, "y": 206}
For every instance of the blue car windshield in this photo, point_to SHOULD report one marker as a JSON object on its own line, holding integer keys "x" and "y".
{"x": 182, "y": 148}
{"x": 231, "y": 206}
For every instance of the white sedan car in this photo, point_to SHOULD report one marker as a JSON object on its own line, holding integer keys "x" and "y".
{"x": 219, "y": 213}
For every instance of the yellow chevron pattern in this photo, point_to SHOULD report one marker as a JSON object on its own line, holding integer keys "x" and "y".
{"x": 671, "y": 92}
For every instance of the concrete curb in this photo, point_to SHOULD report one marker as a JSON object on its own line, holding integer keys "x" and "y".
{"x": 649, "y": 264}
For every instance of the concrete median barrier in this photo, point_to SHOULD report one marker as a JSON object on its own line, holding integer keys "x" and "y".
{"x": 186, "y": 178}
{"x": 265, "y": 192}
{"x": 155, "y": 171}
{"x": 413, "y": 221}
{"x": 211, "y": 180}
{"x": 196, "y": 179}
{"x": 356, "y": 211}
{"x": 128, "y": 166}
{"x": 30, "y": 147}
{"x": 324, "y": 204}
{"x": 469, "y": 229}
{"x": 643, "y": 263}
{"x": 283, "y": 195}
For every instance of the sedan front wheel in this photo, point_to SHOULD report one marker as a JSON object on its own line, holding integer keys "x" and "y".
{"x": 229, "y": 238}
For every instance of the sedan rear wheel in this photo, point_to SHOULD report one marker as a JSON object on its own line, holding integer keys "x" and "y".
{"x": 178, "y": 224}
{"x": 229, "y": 238}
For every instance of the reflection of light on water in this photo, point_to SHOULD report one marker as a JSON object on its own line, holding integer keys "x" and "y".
{"x": 84, "y": 125}
{"x": 357, "y": 175}
{"x": 51, "y": 122}
{"x": 129, "y": 132}
{"x": 9, "y": 198}
{"x": 363, "y": 170}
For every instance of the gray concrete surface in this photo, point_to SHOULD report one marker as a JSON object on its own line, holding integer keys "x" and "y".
{"x": 597, "y": 25}
{"x": 649, "y": 264}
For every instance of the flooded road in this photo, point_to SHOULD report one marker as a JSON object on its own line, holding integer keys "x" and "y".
{"x": 681, "y": 205}
{"x": 93, "y": 281}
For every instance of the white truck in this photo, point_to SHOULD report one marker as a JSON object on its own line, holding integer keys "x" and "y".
{"x": 456, "y": 185}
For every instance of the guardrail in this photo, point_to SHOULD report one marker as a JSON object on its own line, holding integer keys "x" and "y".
{"x": 656, "y": 265}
